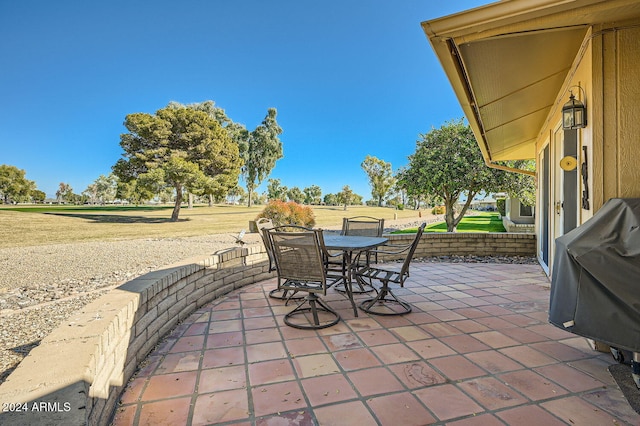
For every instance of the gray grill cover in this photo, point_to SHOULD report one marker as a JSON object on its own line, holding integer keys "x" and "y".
{"x": 595, "y": 285}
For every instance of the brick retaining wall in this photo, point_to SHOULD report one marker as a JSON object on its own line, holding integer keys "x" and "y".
{"x": 80, "y": 369}
{"x": 511, "y": 226}
{"x": 469, "y": 244}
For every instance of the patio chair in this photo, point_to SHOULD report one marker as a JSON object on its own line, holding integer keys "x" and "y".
{"x": 385, "y": 302}
{"x": 277, "y": 293}
{"x": 363, "y": 226}
{"x": 300, "y": 261}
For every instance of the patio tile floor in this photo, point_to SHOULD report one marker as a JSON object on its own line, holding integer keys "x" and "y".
{"x": 476, "y": 350}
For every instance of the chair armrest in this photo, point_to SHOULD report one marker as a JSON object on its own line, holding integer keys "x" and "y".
{"x": 398, "y": 250}
{"x": 328, "y": 255}
{"x": 392, "y": 248}
{"x": 331, "y": 256}
{"x": 326, "y": 252}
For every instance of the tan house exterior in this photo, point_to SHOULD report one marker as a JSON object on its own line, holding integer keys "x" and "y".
{"x": 518, "y": 217}
{"x": 513, "y": 65}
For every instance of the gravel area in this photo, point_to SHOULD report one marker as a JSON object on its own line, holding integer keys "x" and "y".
{"x": 527, "y": 260}
{"x": 37, "y": 274}
{"x": 41, "y": 286}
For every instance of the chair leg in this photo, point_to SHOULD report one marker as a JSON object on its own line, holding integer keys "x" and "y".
{"x": 316, "y": 307}
{"x": 285, "y": 294}
{"x": 386, "y": 302}
{"x": 347, "y": 275}
{"x": 635, "y": 369}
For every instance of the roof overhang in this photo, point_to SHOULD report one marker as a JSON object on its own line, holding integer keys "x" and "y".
{"x": 508, "y": 62}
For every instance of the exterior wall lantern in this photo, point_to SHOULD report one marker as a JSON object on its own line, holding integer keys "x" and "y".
{"x": 574, "y": 113}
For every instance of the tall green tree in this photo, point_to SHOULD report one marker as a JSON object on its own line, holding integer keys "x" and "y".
{"x": 345, "y": 196}
{"x": 276, "y": 191}
{"x": 380, "y": 177}
{"x": 331, "y": 199}
{"x": 295, "y": 194}
{"x": 237, "y": 194}
{"x": 64, "y": 192}
{"x": 102, "y": 190}
{"x": 91, "y": 193}
{"x": 106, "y": 187}
{"x": 14, "y": 186}
{"x": 236, "y": 131}
{"x": 38, "y": 196}
{"x": 263, "y": 150}
{"x": 518, "y": 185}
{"x": 179, "y": 146}
{"x": 448, "y": 163}
{"x": 312, "y": 194}
{"x": 415, "y": 194}
{"x": 145, "y": 187}
{"x": 216, "y": 184}
{"x": 134, "y": 192}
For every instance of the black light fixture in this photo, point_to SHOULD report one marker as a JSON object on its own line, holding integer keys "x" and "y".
{"x": 574, "y": 114}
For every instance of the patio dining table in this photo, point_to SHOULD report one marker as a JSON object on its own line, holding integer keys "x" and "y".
{"x": 350, "y": 245}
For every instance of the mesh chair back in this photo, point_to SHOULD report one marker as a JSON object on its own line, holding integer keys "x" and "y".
{"x": 363, "y": 226}
{"x": 298, "y": 254}
{"x": 407, "y": 261}
{"x": 263, "y": 227}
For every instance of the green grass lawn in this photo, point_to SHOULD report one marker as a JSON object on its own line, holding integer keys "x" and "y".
{"x": 26, "y": 225}
{"x": 482, "y": 222}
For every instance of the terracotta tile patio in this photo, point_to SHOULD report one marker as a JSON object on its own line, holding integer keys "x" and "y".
{"x": 476, "y": 350}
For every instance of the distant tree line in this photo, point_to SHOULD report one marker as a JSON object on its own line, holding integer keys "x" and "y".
{"x": 196, "y": 151}
{"x": 16, "y": 188}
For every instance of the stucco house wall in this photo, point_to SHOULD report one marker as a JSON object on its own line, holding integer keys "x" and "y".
{"x": 608, "y": 69}
{"x": 616, "y": 131}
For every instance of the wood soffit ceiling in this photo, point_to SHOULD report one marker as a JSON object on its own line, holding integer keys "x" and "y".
{"x": 508, "y": 61}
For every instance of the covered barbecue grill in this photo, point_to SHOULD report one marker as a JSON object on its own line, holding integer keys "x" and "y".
{"x": 595, "y": 285}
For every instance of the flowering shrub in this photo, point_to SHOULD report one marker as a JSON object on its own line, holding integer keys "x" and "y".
{"x": 439, "y": 210}
{"x": 282, "y": 213}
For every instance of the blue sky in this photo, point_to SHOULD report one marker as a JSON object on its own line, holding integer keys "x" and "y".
{"x": 349, "y": 78}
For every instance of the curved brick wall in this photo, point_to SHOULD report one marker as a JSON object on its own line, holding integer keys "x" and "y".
{"x": 78, "y": 371}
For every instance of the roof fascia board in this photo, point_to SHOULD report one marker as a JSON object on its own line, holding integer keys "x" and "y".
{"x": 473, "y": 24}
{"x": 447, "y": 53}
